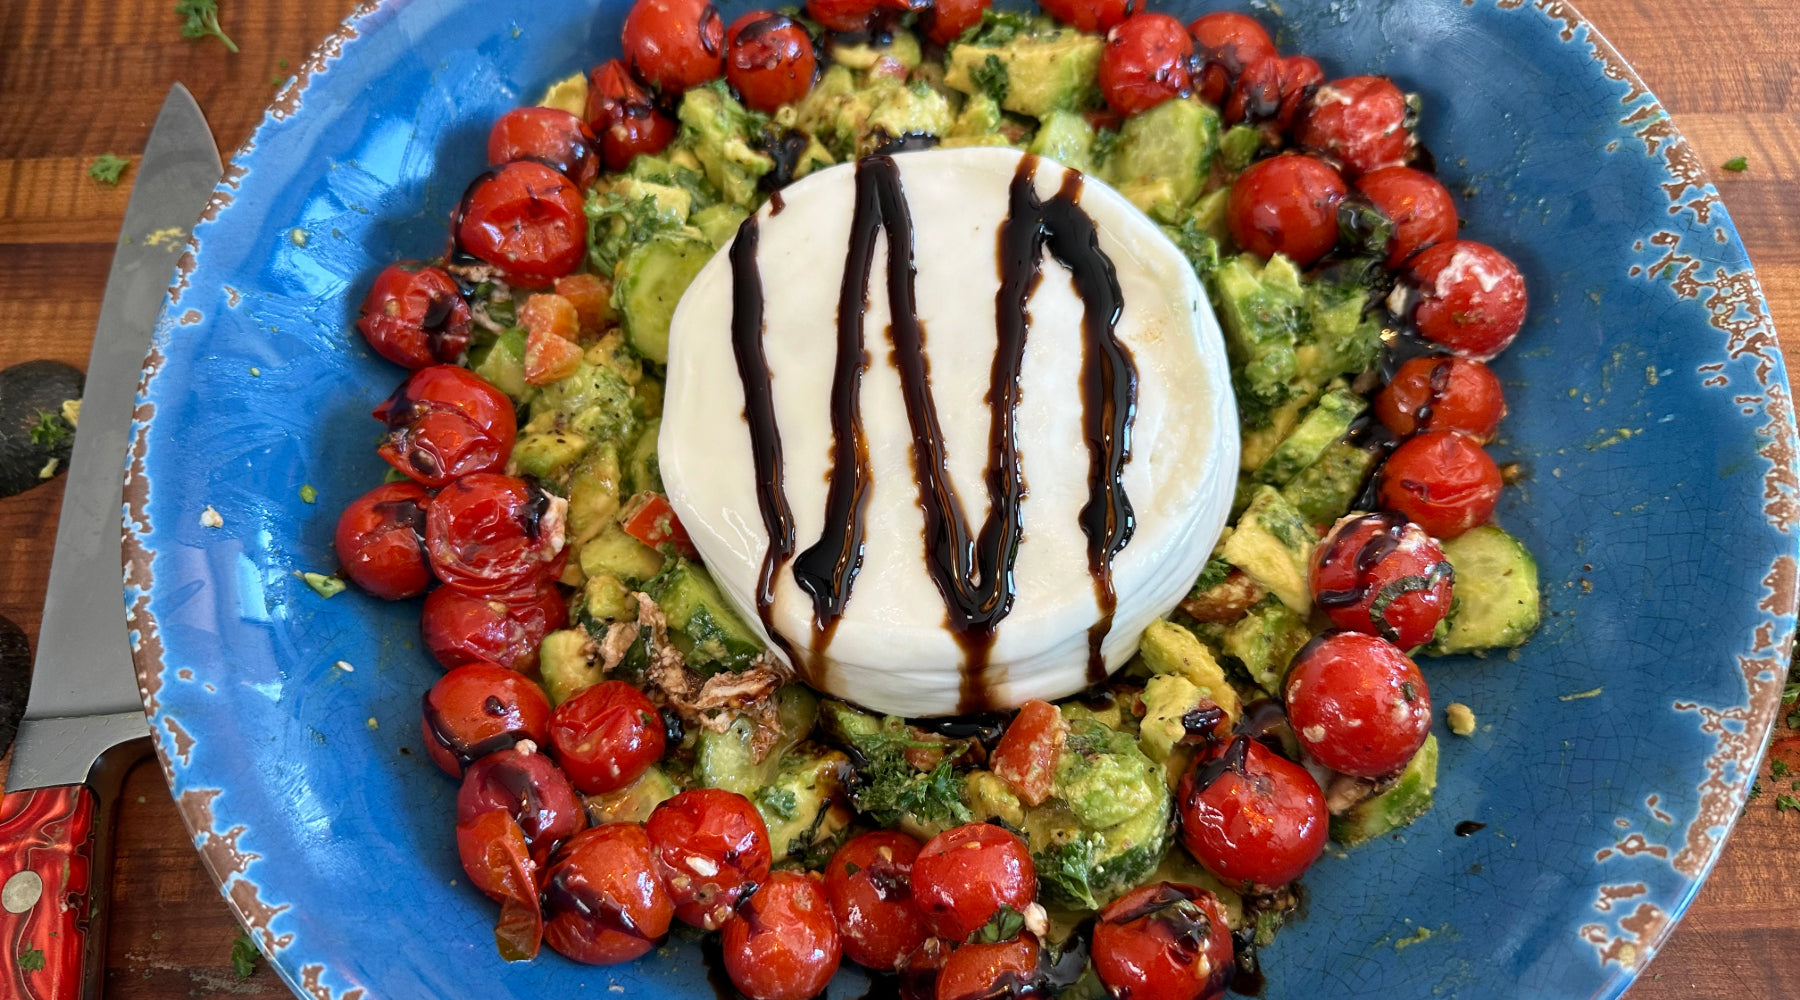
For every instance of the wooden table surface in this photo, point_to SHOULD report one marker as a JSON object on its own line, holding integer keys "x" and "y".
{"x": 78, "y": 79}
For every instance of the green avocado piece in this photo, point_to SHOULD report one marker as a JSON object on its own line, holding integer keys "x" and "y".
{"x": 721, "y": 131}
{"x": 1167, "y": 698}
{"x": 1324, "y": 490}
{"x": 1328, "y": 422}
{"x": 1409, "y": 799}
{"x": 1259, "y": 307}
{"x": 502, "y": 363}
{"x": 634, "y": 802}
{"x": 1067, "y": 138}
{"x": 567, "y": 664}
{"x": 1032, "y": 74}
{"x": 709, "y": 633}
{"x": 1163, "y": 156}
{"x": 1167, "y": 648}
{"x": 652, "y": 278}
{"x": 1273, "y": 544}
{"x": 613, "y": 552}
{"x": 546, "y": 454}
{"x": 1265, "y": 641}
{"x": 719, "y": 223}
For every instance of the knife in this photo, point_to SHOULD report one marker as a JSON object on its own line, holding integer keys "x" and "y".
{"x": 84, "y": 723}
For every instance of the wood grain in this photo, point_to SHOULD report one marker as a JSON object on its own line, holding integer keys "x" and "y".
{"x": 78, "y": 79}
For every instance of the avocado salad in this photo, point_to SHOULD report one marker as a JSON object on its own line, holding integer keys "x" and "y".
{"x": 631, "y": 755}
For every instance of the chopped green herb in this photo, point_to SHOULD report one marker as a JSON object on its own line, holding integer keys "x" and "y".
{"x": 992, "y": 77}
{"x": 325, "y": 586}
{"x": 308, "y": 494}
{"x": 281, "y": 64}
{"x": 1737, "y": 165}
{"x": 1787, "y": 803}
{"x": 1778, "y": 768}
{"x": 1003, "y": 926}
{"x": 779, "y": 801}
{"x": 51, "y": 430}
{"x": 31, "y": 959}
{"x": 201, "y": 20}
{"x": 107, "y": 168}
{"x": 244, "y": 956}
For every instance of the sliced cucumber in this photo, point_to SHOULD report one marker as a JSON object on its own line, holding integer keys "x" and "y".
{"x": 1495, "y": 600}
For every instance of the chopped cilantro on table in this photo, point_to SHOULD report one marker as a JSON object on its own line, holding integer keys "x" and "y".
{"x": 1787, "y": 803}
{"x": 244, "y": 956}
{"x": 1737, "y": 165}
{"x": 201, "y": 20}
{"x": 51, "y": 430}
{"x": 107, "y": 168}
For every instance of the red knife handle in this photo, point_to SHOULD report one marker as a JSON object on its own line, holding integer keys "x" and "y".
{"x": 46, "y": 891}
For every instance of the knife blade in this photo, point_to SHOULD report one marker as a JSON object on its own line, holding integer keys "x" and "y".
{"x": 84, "y": 724}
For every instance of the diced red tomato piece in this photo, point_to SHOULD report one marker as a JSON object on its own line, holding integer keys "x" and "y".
{"x": 591, "y": 295}
{"x": 1026, "y": 756}
{"x": 649, "y": 519}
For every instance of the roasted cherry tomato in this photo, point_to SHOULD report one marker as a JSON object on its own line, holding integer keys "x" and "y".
{"x": 380, "y": 541}
{"x": 987, "y": 971}
{"x": 783, "y": 943}
{"x": 1252, "y": 816}
{"x": 1300, "y": 76}
{"x": 415, "y": 316}
{"x": 1287, "y": 205}
{"x": 1443, "y": 481}
{"x": 481, "y": 709}
{"x": 550, "y": 136}
{"x": 1092, "y": 15}
{"x": 1420, "y": 208}
{"x": 1363, "y": 122}
{"x": 648, "y": 518}
{"x": 525, "y": 219}
{"x": 603, "y": 901}
{"x": 1164, "y": 940}
{"x": 962, "y": 877}
{"x": 1358, "y": 704}
{"x": 1443, "y": 394}
{"x": 551, "y": 328}
{"x": 1226, "y": 43}
{"x": 606, "y": 736}
{"x": 869, "y": 883}
{"x": 946, "y": 20}
{"x": 919, "y": 971}
{"x": 493, "y": 853}
{"x": 1145, "y": 62}
{"x": 461, "y": 628}
{"x": 621, "y": 113}
{"x": 674, "y": 44}
{"x": 1471, "y": 298}
{"x": 712, "y": 849}
{"x": 531, "y": 789}
{"x": 842, "y": 15}
{"x": 1271, "y": 90}
{"x": 444, "y": 422}
{"x": 1026, "y": 756}
{"x": 494, "y": 535}
{"x": 769, "y": 60}
{"x": 1383, "y": 575}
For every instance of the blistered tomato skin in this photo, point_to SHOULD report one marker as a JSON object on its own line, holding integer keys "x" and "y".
{"x": 493, "y": 853}
{"x": 712, "y": 849}
{"x": 380, "y": 541}
{"x": 1165, "y": 940}
{"x": 531, "y": 789}
{"x": 674, "y": 44}
{"x": 945, "y": 20}
{"x": 1363, "y": 122}
{"x": 783, "y": 944}
{"x": 1226, "y": 44}
{"x": 1471, "y": 298}
{"x": 603, "y": 901}
{"x": 1092, "y": 15}
{"x": 606, "y": 736}
{"x": 962, "y": 877}
{"x": 1251, "y": 816}
{"x": 1419, "y": 206}
{"x": 1443, "y": 481}
{"x": 1288, "y": 205}
{"x": 1145, "y": 62}
{"x": 481, "y": 709}
{"x": 1357, "y": 704}
{"x": 415, "y": 316}
{"x": 493, "y": 535}
{"x": 550, "y": 136}
{"x": 984, "y": 971}
{"x": 461, "y": 628}
{"x": 1443, "y": 394}
{"x": 444, "y": 422}
{"x": 869, "y": 883}
{"x": 769, "y": 60}
{"x": 623, "y": 116}
{"x": 525, "y": 219}
{"x": 1382, "y": 575}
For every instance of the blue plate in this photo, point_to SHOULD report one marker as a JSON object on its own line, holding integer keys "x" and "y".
{"x": 1650, "y": 414}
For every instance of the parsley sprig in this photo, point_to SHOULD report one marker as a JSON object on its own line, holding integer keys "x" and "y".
{"x": 202, "y": 21}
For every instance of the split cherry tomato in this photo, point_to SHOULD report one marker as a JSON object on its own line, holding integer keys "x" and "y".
{"x": 603, "y": 902}
{"x": 415, "y": 316}
{"x": 648, "y": 518}
{"x": 1443, "y": 481}
{"x": 769, "y": 60}
{"x": 1363, "y": 122}
{"x": 1443, "y": 394}
{"x": 962, "y": 877}
{"x": 1092, "y": 15}
{"x": 869, "y": 883}
{"x": 946, "y": 20}
{"x": 1420, "y": 208}
{"x": 1226, "y": 44}
{"x": 606, "y": 736}
{"x": 986, "y": 971}
{"x": 1026, "y": 756}
{"x": 1358, "y": 704}
{"x": 1471, "y": 298}
{"x": 492, "y": 849}
{"x": 712, "y": 849}
{"x": 528, "y": 787}
{"x": 481, "y": 709}
{"x": 525, "y": 219}
{"x": 1167, "y": 941}
{"x": 1382, "y": 575}
{"x": 493, "y": 535}
{"x": 1288, "y": 205}
{"x": 783, "y": 944}
{"x": 380, "y": 541}
{"x": 445, "y": 422}
{"x": 550, "y": 136}
{"x": 1271, "y": 90}
{"x": 1145, "y": 62}
{"x": 461, "y": 628}
{"x": 674, "y": 44}
{"x": 621, "y": 113}
{"x": 1251, "y": 816}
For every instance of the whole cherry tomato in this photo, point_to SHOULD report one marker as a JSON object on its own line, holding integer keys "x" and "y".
{"x": 1092, "y": 15}
{"x": 603, "y": 902}
{"x": 621, "y": 113}
{"x": 1251, "y": 816}
{"x": 526, "y": 220}
{"x": 769, "y": 60}
{"x": 606, "y": 736}
{"x": 415, "y": 316}
{"x": 962, "y": 877}
{"x": 1164, "y": 940}
{"x": 712, "y": 849}
{"x": 380, "y": 541}
{"x": 674, "y": 44}
{"x": 532, "y": 790}
{"x": 1443, "y": 481}
{"x": 1288, "y": 205}
{"x": 946, "y": 20}
{"x": 481, "y": 709}
{"x": 783, "y": 943}
{"x": 445, "y": 422}
{"x": 1420, "y": 208}
{"x": 1363, "y": 122}
{"x": 1145, "y": 62}
{"x": 493, "y": 853}
{"x": 843, "y": 15}
{"x": 1026, "y": 756}
{"x": 1471, "y": 298}
{"x": 1357, "y": 704}
{"x": 984, "y": 971}
{"x": 1382, "y": 575}
{"x": 1226, "y": 44}
{"x": 1443, "y": 394}
{"x": 461, "y": 628}
{"x": 550, "y": 136}
{"x": 494, "y": 535}
{"x": 869, "y": 883}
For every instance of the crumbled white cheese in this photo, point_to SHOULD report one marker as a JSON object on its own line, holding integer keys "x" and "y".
{"x": 1460, "y": 718}
{"x": 210, "y": 518}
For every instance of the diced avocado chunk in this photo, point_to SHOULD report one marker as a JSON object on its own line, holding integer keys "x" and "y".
{"x": 1260, "y": 442}
{"x": 902, "y": 47}
{"x": 502, "y": 363}
{"x": 1409, "y": 799}
{"x": 1107, "y": 825}
{"x": 1494, "y": 596}
{"x": 1273, "y": 544}
{"x": 634, "y": 802}
{"x": 1339, "y": 335}
{"x": 642, "y": 472}
{"x": 1031, "y": 74}
{"x": 546, "y": 454}
{"x": 612, "y": 552}
{"x": 1116, "y": 714}
{"x": 725, "y": 759}
{"x": 1167, "y": 697}
{"x": 720, "y": 131}
{"x": 854, "y": 119}
{"x": 568, "y": 663}
{"x": 1265, "y": 641}
{"x": 594, "y": 493}
{"x": 1239, "y": 145}
{"x": 1328, "y": 422}
{"x": 719, "y": 223}
{"x": 652, "y": 278}
{"x": 1259, "y": 306}
{"x": 1167, "y": 648}
{"x": 672, "y": 204}
{"x": 1067, "y": 138}
{"x": 567, "y": 94}
{"x": 597, "y": 402}
{"x": 795, "y": 805}
{"x": 607, "y": 599}
{"x": 1163, "y": 156}
{"x": 990, "y": 797}
{"x": 979, "y": 118}
{"x": 709, "y": 633}
{"x": 1102, "y": 776}
{"x": 1324, "y": 490}
{"x": 901, "y": 110}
